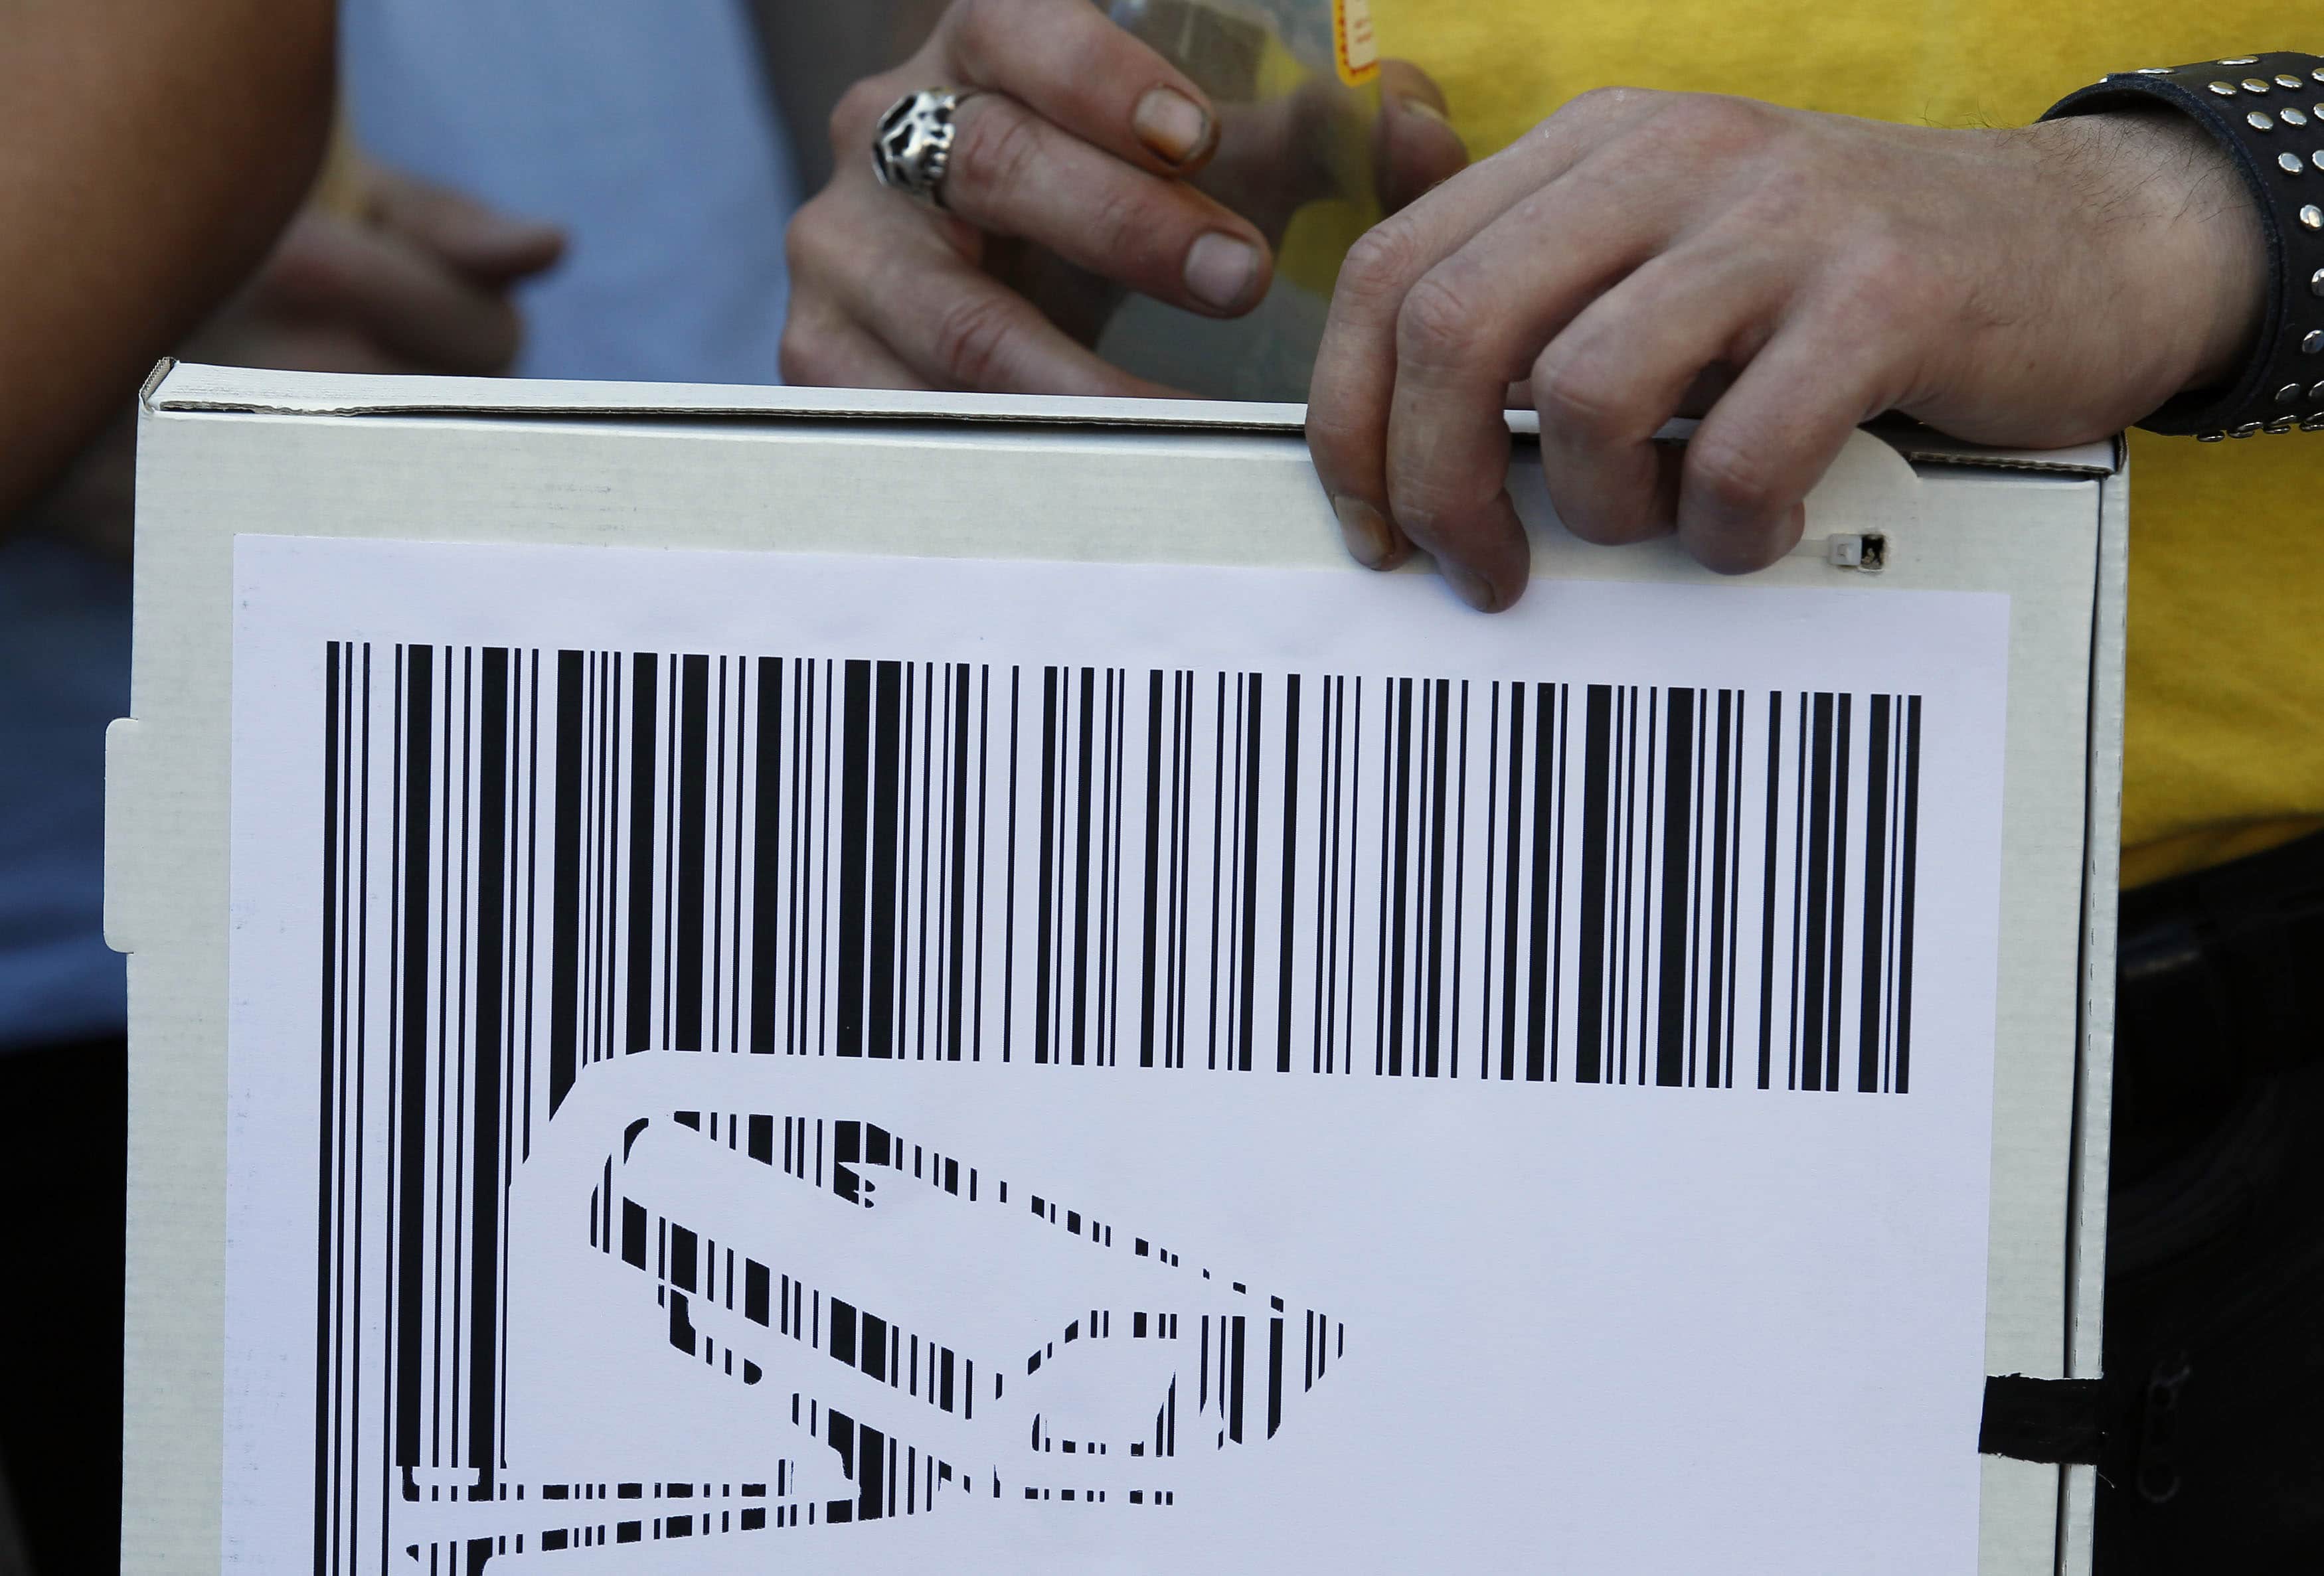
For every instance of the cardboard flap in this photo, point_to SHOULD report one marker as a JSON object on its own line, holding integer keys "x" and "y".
{"x": 127, "y": 797}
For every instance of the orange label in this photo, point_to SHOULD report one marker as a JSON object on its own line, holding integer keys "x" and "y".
{"x": 1358, "y": 50}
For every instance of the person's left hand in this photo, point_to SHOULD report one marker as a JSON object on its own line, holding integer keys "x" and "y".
{"x": 1643, "y": 255}
{"x": 417, "y": 279}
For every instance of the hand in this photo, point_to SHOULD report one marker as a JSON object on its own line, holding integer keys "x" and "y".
{"x": 1644, "y": 255}
{"x": 416, "y": 279}
{"x": 1071, "y": 177}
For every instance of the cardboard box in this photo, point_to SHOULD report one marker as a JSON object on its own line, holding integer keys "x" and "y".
{"x": 963, "y": 534}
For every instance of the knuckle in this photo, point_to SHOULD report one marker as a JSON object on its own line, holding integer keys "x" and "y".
{"x": 1598, "y": 103}
{"x": 1886, "y": 267}
{"x": 1441, "y": 316}
{"x": 824, "y": 240}
{"x": 1123, "y": 225}
{"x": 994, "y": 153}
{"x": 300, "y": 274}
{"x": 1379, "y": 265}
{"x": 1738, "y": 482}
{"x": 1425, "y": 512}
{"x": 1709, "y": 126}
{"x": 1578, "y": 397}
{"x": 982, "y": 33}
{"x": 800, "y": 357}
{"x": 859, "y": 109}
{"x": 972, "y": 334}
{"x": 977, "y": 21}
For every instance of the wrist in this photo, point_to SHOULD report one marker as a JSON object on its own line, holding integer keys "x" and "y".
{"x": 2190, "y": 250}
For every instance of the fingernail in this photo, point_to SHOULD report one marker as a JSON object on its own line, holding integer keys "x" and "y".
{"x": 1171, "y": 123}
{"x": 1220, "y": 269}
{"x": 1468, "y": 585}
{"x": 1427, "y": 111}
{"x": 1365, "y": 531}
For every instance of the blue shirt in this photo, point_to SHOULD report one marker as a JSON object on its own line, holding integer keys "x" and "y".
{"x": 644, "y": 129}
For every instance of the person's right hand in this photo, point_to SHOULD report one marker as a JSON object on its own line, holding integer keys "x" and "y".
{"x": 1069, "y": 178}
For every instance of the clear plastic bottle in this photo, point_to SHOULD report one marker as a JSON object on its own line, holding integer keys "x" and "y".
{"x": 1295, "y": 84}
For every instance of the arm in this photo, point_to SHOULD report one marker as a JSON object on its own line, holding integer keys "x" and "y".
{"x": 148, "y": 155}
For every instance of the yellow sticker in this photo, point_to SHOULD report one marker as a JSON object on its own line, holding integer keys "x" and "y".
{"x": 1358, "y": 50}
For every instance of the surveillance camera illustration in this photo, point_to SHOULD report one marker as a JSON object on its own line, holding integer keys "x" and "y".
{"x": 743, "y": 1236}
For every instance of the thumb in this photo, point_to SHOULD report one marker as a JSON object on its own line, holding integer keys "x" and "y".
{"x": 1414, "y": 146}
{"x": 481, "y": 244}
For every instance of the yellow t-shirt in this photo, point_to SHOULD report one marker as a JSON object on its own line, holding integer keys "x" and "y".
{"x": 2226, "y": 730}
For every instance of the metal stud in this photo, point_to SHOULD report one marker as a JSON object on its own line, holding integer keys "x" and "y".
{"x": 2316, "y": 394}
{"x": 2289, "y": 163}
{"x": 2316, "y": 282}
{"x": 2317, "y": 157}
{"x": 2313, "y": 217}
{"x": 2259, "y": 121}
{"x": 2291, "y": 115}
{"x": 2312, "y": 342}
{"x": 2241, "y": 61}
{"x": 2287, "y": 394}
{"x": 2317, "y": 75}
{"x": 2256, "y": 84}
{"x": 2224, "y": 89}
{"x": 2314, "y": 423}
{"x": 2282, "y": 425}
{"x": 2287, "y": 81}
{"x": 2248, "y": 429}
{"x": 2210, "y": 437}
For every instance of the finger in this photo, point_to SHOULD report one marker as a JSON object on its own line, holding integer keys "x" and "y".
{"x": 1470, "y": 325}
{"x": 1414, "y": 147}
{"x": 1625, "y": 365}
{"x": 491, "y": 248}
{"x": 820, "y": 348}
{"x": 404, "y": 299}
{"x": 1276, "y": 155}
{"x": 1769, "y": 439}
{"x": 1355, "y": 375}
{"x": 1077, "y": 69}
{"x": 953, "y": 325}
{"x": 1013, "y": 173}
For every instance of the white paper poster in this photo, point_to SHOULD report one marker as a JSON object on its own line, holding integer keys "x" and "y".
{"x": 758, "y": 1062}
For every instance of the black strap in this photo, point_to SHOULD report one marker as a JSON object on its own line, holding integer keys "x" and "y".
{"x": 2056, "y": 1420}
{"x": 2268, "y": 112}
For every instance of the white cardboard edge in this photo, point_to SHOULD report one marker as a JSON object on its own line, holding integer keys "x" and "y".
{"x": 190, "y": 386}
{"x": 2094, "y": 1068}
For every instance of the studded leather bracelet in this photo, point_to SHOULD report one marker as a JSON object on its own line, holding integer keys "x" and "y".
{"x": 2267, "y": 111}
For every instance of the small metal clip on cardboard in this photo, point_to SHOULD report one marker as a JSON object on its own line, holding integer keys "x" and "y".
{"x": 1866, "y": 553}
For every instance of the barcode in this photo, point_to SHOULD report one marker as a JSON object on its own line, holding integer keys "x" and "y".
{"x": 591, "y": 854}
{"x": 1079, "y": 866}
